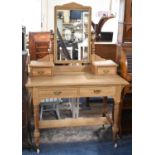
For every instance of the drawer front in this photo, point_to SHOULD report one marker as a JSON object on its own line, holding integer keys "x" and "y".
{"x": 41, "y": 55}
{"x": 42, "y": 45}
{"x": 97, "y": 91}
{"x": 41, "y": 71}
{"x": 57, "y": 92}
{"x": 106, "y": 70}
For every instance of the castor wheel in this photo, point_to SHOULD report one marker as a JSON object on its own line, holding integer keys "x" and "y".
{"x": 38, "y": 150}
{"x": 115, "y": 145}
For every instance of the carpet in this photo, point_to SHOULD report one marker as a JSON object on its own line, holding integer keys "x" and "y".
{"x": 90, "y": 140}
{"x": 85, "y": 148}
{"x": 81, "y": 141}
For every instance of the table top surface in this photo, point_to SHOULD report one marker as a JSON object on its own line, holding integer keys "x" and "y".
{"x": 76, "y": 79}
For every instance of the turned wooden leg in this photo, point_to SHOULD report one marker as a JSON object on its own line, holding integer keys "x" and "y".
{"x": 36, "y": 125}
{"x": 115, "y": 127}
{"x": 116, "y": 114}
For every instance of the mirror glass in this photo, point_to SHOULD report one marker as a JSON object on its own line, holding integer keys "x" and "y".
{"x": 72, "y": 35}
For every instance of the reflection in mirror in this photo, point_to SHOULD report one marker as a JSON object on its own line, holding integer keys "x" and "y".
{"x": 72, "y": 35}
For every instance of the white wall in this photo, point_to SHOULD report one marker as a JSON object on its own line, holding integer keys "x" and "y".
{"x": 31, "y": 15}
{"x": 35, "y": 12}
{"x": 98, "y": 6}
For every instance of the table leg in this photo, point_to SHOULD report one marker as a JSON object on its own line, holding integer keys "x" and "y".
{"x": 116, "y": 114}
{"x": 36, "y": 126}
{"x": 115, "y": 127}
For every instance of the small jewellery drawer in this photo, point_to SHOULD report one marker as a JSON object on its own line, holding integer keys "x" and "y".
{"x": 41, "y": 71}
{"x": 105, "y": 70}
{"x": 38, "y": 68}
{"x": 97, "y": 91}
{"x": 104, "y": 67}
{"x": 57, "y": 92}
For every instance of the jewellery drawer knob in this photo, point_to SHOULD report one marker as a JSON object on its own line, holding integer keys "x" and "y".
{"x": 40, "y": 72}
{"x": 105, "y": 71}
{"x": 57, "y": 92}
{"x": 97, "y": 91}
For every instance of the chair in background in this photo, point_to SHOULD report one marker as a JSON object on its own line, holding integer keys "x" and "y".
{"x": 126, "y": 99}
{"x": 58, "y": 105}
{"x": 50, "y": 104}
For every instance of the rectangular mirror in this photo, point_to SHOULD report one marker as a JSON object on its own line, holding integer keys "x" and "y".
{"x": 72, "y": 33}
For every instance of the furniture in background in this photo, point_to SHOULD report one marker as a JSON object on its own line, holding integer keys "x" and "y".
{"x": 106, "y": 50}
{"x": 125, "y": 22}
{"x": 57, "y": 105}
{"x": 97, "y": 27}
{"x": 26, "y": 106}
{"x": 26, "y": 98}
{"x": 127, "y": 32}
{"x": 41, "y": 44}
{"x": 126, "y": 100}
{"x": 82, "y": 47}
{"x": 124, "y": 56}
{"x": 50, "y": 104}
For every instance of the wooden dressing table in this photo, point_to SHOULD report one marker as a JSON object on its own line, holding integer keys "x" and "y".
{"x": 75, "y": 85}
{"x": 74, "y": 81}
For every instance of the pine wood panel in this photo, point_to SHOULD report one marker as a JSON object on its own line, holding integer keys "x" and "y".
{"x": 73, "y": 122}
{"x": 76, "y": 79}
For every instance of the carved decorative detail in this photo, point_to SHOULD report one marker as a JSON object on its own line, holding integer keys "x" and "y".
{"x": 72, "y": 5}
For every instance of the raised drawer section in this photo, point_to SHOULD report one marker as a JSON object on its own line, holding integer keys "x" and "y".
{"x": 41, "y": 71}
{"x": 57, "y": 92}
{"x": 96, "y": 91}
{"x": 106, "y": 70}
{"x": 104, "y": 67}
{"x": 44, "y": 45}
{"x": 101, "y": 70}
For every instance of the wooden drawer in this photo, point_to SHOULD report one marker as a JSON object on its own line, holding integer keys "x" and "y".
{"x": 38, "y": 68}
{"x": 41, "y": 71}
{"x": 42, "y": 45}
{"x": 96, "y": 91}
{"x": 40, "y": 55}
{"x": 57, "y": 92}
{"x": 104, "y": 67}
{"x": 100, "y": 70}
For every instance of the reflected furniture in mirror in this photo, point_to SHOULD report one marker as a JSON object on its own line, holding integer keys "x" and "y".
{"x": 72, "y": 33}
{"x": 75, "y": 72}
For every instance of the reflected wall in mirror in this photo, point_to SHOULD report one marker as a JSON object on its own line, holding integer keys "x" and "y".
{"x": 72, "y": 39}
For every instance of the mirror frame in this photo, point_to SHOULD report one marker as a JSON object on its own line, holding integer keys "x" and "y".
{"x": 72, "y": 6}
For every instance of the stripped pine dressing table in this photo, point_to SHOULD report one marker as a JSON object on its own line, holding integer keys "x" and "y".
{"x": 74, "y": 80}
